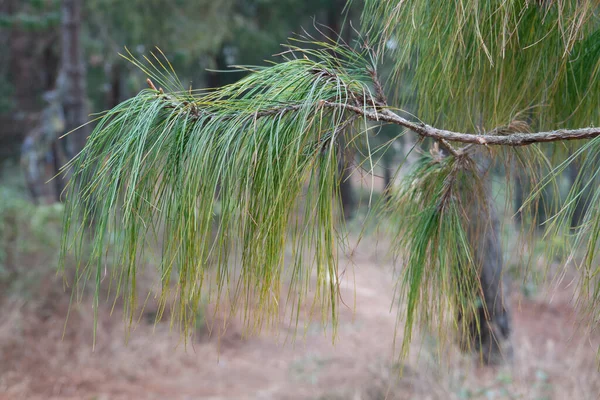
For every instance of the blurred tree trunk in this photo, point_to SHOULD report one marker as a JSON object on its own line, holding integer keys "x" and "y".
{"x": 72, "y": 80}
{"x": 71, "y": 88}
{"x": 488, "y": 331}
{"x": 214, "y": 79}
{"x": 344, "y": 175}
{"x": 387, "y": 177}
{"x": 51, "y": 63}
{"x": 334, "y": 22}
{"x": 492, "y": 336}
{"x": 519, "y": 196}
{"x": 543, "y": 205}
{"x": 20, "y": 68}
{"x": 583, "y": 202}
{"x": 115, "y": 94}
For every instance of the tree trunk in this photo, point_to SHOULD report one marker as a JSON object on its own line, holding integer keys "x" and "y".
{"x": 583, "y": 202}
{"x": 346, "y": 190}
{"x": 214, "y": 79}
{"x": 489, "y": 331}
{"x": 19, "y": 62}
{"x": 345, "y": 184}
{"x": 518, "y": 194}
{"x": 492, "y": 337}
{"x": 114, "y": 95}
{"x": 540, "y": 208}
{"x": 387, "y": 178}
{"x": 72, "y": 80}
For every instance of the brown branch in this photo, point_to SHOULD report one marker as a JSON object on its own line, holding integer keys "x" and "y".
{"x": 449, "y": 147}
{"x": 513, "y": 139}
{"x": 379, "y": 92}
{"x": 277, "y": 110}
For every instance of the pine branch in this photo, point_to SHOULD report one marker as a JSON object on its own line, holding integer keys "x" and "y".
{"x": 218, "y": 175}
{"x": 513, "y": 139}
{"x": 379, "y": 113}
{"x": 222, "y": 175}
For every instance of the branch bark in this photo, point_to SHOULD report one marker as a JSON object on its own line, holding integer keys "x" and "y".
{"x": 513, "y": 139}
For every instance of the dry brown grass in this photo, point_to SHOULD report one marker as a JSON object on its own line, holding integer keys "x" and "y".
{"x": 554, "y": 359}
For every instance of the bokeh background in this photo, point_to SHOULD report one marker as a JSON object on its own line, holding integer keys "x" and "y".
{"x": 59, "y": 64}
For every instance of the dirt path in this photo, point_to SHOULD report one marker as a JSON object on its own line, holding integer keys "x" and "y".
{"x": 551, "y": 361}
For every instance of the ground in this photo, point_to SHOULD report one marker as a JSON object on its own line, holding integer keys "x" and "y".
{"x": 554, "y": 358}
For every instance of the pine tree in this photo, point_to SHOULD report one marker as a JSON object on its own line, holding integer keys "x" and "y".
{"x": 241, "y": 173}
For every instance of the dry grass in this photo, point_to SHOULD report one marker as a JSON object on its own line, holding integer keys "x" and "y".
{"x": 553, "y": 359}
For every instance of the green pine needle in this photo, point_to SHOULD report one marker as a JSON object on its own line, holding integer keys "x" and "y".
{"x": 217, "y": 178}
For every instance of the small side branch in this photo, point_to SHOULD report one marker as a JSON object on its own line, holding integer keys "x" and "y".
{"x": 449, "y": 147}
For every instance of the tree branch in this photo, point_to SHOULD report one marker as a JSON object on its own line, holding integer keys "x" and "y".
{"x": 513, "y": 139}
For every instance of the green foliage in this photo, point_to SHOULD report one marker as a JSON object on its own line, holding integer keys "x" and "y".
{"x": 191, "y": 33}
{"x": 156, "y": 164}
{"x": 29, "y": 241}
{"x": 439, "y": 272}
{"x": 484, "y": 64}
{"x": 508, "y": 66}
{"x": 33, "y": 15}
{"x": 188, "y": 26}
{"x": 195, "y": 35}
{"x": 584, "y": 240}
{"x": 8, "y": 205}
{"x": 7, "y": 103}
{"x": 218, "y": 176}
